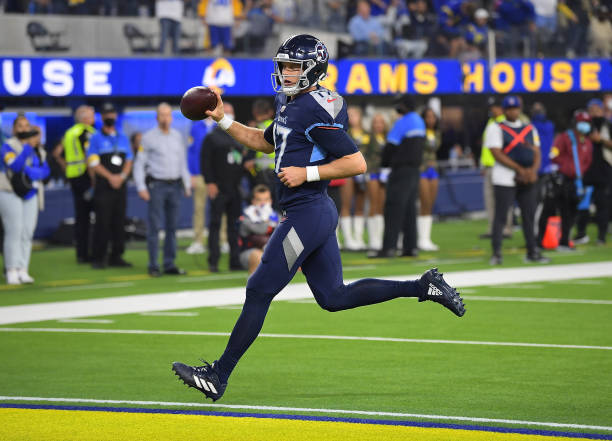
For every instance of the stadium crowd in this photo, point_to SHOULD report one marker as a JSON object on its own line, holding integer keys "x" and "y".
{"x": 565, "y": 169}
{"x": 403, "y": 28}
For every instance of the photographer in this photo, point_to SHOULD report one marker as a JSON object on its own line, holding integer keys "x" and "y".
{"x": 23, "y": 167}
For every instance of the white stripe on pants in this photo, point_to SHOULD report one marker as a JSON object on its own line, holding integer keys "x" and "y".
{"x": 19, "y": 218}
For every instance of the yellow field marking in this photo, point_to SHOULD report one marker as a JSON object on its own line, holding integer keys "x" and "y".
{"x": 65, "y": 425}
{"x": 129, "y": 277}
{"x": 10, "y": 287}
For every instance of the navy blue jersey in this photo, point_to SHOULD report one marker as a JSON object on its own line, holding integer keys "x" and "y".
{"x": 301, "y": 137}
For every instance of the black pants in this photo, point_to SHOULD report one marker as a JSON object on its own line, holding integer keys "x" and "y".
{"x": 82, "y": 209}
{"x": 400, "y": 208}
{"x": 602, "y": 198}
{"x": 110, "y": 208}
{"x": 228, "y": 203}
{"x": 526, "y": 197}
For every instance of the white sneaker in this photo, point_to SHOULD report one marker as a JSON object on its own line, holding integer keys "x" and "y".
{"x": 195, "y": 248}
{"x": 24, "y": 277}
{"x": 12, "y": 277}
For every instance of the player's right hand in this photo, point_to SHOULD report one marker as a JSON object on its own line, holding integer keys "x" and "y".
{"x": 217, "y": 113}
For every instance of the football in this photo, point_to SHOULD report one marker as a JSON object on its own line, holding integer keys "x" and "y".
{"x": 196, "y": 101}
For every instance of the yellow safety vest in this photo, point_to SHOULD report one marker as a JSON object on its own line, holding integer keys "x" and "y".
{"x": 264, "y": 160}
{"x": 74, "y": 152}
{"x": 486, "y": 157}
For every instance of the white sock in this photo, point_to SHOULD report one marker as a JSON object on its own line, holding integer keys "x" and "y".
{"x": 380, "y": 230}
{"x": 347, "y": 233}
{"x": 359, "y": 224}
{"x": 372, "y": 232}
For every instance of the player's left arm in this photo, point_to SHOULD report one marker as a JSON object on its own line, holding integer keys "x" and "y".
{"x": 336, "y": 141}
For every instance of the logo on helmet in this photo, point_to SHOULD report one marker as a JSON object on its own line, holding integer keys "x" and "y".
{"x": 322, "y": 54}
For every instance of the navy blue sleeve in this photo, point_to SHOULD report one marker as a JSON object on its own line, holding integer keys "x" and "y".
{"x": 334, "y": 140}
{"x": 269, "y": 134}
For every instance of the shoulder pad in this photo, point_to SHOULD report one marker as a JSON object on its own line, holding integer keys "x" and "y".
{"x": 332, "y": 102}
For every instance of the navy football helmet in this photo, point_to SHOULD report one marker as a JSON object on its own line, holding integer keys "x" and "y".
{"x": 310, "y": 53}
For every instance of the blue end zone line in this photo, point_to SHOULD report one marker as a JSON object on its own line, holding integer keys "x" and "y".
{"x": 313, "y": 418}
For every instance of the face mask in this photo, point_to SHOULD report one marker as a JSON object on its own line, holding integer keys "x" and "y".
{"x": 109, "y": 122}
{"x": 538, "y": 115}
{"x": 583, "y": 127}
{"x": 27, "y": 134}
{"x": 609, "y": 104}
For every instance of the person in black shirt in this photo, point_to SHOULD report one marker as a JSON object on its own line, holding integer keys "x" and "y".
{"x": 221, "y": 162}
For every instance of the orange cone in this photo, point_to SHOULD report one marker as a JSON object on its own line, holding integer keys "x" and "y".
{"x": 552, "y": 235}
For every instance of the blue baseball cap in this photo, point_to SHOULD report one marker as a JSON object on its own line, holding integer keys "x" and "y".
{"x": 511, "y": 101}
{"x": 595, "y": 102}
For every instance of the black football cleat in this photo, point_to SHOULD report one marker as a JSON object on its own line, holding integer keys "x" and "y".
{"x": 437, "y": 290}
{"x": 203, "y": 378}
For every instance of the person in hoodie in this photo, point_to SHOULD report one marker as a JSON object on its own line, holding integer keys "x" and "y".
{"x": 22, "y": 170}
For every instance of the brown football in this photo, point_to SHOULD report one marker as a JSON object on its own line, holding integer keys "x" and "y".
{"x": 196, "y": 101}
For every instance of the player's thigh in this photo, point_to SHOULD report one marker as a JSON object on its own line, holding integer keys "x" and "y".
{"x": 323, "y": 270}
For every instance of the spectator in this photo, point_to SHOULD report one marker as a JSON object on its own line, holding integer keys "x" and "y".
{"x": 367, "y": 32}
{"x": 403, "y": 154}
{"x": 22, "y": 170}
{"x": 477, "y": 32}
{"x": 453, "y": 18}
{"x": 577, "y": 28}
{"x": 285, "y": 11}
{"x": 110, "y": 157}
{"x": 222, "y": 165}
{"x": 136, "y": 142}
{"x": 600, "y": 33}
{"x": 545, "y": 20}
{"x": 257, "y": 223}
{"x": 572, "y": 144}
{"x": 170, "y": 14}
{"x": 219, "y": 17}
{"x": 379, "y": 7}
{"x": 598, "y": 175}
{"x": 353, "y": 227}
{"x": 546, "y": 132}
{"x": 413, "y": 28}
{"x": 261, "y": 19}
{"x": 259, "y": 164}
{"x": 199, "y": 130}
{"x": 428, "y": 184}
{"x": 372, "y": 153}
{"x": 516, "y": 149}
{"x": 71, "y": 155}
{"x": 334, "y": 15}
{"x": 516, "y": 25}
{"x": 161, "y": 177}
{"x": 40, "y": 7}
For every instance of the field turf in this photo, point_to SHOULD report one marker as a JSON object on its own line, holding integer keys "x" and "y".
{"x": 546, "y": 366}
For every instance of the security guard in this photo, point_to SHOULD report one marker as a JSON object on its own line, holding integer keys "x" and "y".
{"x": 403, "y": 153}
{"x": 70, "y": 155}
{"x": 110, "y": 157}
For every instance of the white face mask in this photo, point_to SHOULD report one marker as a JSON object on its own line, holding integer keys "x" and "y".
{"x": 609, "y": 104}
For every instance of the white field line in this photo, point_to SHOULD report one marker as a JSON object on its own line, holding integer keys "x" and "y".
{"x": 538, "y": 300}
{"x": 88, "y": 287}
{"x": 171, "y": 314}
{"x": 305, "y": 337}
{"x": 517, "y": 286}
{"x": 235, "y": 296}
{"x": 95, "y": 321}
{"x": 209, "y": 278}
{"x": 306, "y": 409}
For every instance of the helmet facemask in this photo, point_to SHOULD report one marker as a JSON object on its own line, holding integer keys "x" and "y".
{"x": 303, "y": 82}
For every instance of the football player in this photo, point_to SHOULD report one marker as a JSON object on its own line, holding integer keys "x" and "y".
{"x": 311, "y": 146}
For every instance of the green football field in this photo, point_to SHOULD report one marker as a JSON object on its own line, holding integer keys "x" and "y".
{"x": 534, "y": 355}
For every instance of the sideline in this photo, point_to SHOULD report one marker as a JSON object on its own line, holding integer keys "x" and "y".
{"x": 234, "y": 296}
{"x": 312, "y": 410}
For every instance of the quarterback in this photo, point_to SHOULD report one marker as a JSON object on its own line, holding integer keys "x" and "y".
{"x": 311, "y": 147}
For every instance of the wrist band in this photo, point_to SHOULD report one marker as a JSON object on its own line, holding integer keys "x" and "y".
{"x": 312, "y": 173}
{"x": 225, "y": 122}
